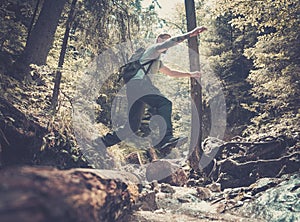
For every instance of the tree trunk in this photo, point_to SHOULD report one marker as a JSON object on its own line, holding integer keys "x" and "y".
{"x": 62, "y": 56}
{"x": 42, "y": 36}
{"x": 196, "y": 134}
{"x": 32, "y": 20}
{"x": 46, "y": 194}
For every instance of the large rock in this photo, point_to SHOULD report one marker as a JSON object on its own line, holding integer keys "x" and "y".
{"x": 279, "y": 202}
{"x": 166, "y": 172}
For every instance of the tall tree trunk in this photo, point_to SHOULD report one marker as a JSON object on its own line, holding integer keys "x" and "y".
{"x": 42, "y": 36}
{"x": 32, "y": 20}
{"x": 62, "y": 56}
{"x": 196, "y": 134}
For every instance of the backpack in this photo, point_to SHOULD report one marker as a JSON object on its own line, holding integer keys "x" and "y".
{"x": 130, "y": 69}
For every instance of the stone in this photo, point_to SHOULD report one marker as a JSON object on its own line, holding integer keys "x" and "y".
{"x": 134, "y": 158}
{"x": 165, "y": 172}
{"x": 147, "y": 201}
{"x": 214, "y": 187}
{"x": 203, "y": 193}
{"x": 167, "y": 188}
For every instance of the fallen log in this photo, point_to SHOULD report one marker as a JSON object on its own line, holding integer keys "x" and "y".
{"x": 47, "y": 194}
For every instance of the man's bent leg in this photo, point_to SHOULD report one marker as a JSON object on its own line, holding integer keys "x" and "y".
{"x": 164, "y": 109}
{"x": 136, "y": 112}
{"x": 132, "y": 125}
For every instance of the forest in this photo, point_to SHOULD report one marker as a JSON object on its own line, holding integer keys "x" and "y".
{"x": 60, "y": 92}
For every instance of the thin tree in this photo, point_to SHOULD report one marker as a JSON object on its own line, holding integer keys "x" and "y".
{"x": 196, "y": 133}
{"x": 62, "y": 56}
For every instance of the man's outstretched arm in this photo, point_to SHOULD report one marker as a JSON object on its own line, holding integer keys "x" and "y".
{"x": 175, "y": 73}
{"x": 178, "y": 39}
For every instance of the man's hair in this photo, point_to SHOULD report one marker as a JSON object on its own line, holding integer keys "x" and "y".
{"x": 163, "y": 36}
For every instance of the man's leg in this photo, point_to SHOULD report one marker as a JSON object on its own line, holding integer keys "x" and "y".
{"x": 136, "y": 111}
{"x": 164, "y": 109}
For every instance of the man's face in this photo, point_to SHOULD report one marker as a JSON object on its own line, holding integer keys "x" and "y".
{"x": 160, "y": 40}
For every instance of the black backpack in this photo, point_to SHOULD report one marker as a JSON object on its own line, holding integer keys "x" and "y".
{"x": 130, "y": 69}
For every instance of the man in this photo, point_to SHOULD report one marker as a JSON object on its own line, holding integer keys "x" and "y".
{"x": 140, "y": 91}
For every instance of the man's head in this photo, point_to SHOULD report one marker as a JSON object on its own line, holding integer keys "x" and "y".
{"x": 162, "y": 37}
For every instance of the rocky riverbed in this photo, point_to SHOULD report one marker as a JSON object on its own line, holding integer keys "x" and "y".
{"x": 269, "y": 199}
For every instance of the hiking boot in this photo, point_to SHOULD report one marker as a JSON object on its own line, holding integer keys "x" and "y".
{"x": 166, "y": 139}
{"x": 167, "y": 147}
{"x": 174, "y": 142}
{"x": 108, "y": 140}
{"x": 100, "y": 142}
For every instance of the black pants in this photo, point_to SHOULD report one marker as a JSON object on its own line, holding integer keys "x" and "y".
{"x": 139, "y": 93}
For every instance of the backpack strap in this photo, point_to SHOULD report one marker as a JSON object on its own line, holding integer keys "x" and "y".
{"x": 120, "y": 76}
{"x": 148, "y": 69}
{"x": 142, "y": 66}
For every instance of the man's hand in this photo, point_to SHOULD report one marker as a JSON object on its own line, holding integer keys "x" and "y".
{"x": 195, "y": 74}
{"x": 197, "y": 31}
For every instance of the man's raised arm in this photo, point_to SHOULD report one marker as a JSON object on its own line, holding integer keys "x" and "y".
{"x": 178, "y": 39}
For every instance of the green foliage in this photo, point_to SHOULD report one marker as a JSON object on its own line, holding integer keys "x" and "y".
{"x": 224, "y": 46}
{"x": 15, "y": 19}
{"x": 60, "y": 148}
{"x": 275, "y": 55}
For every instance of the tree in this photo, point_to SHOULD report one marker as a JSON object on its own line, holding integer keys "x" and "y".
{"x": 15, "y": 17}
{"x": 275, "y": 56}
{"x": 62, "y": 55}
{"x": 226, "y": 46}
{"x": 33, "y": 19}
{"x": 222, "y": 51}
{"x": 196, "y": 90}
{"x": 41, "y": 38}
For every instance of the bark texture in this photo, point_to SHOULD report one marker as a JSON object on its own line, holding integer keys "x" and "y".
{"x": 47, "y": 194}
